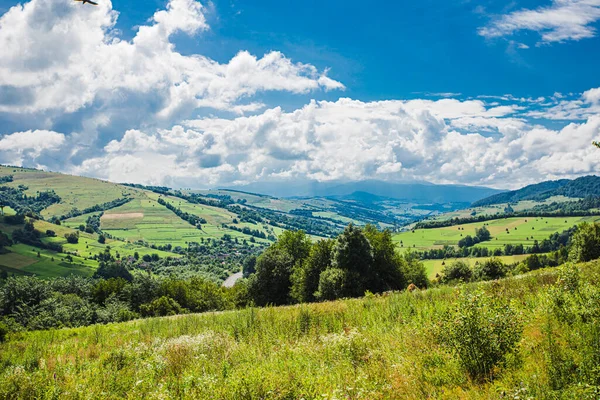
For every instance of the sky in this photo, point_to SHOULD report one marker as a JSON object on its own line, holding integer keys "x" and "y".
{"x": 210, "y": 94}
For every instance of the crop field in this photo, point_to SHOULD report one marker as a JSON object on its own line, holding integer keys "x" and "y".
{"x": 28, "y": 259}
{"x": 75, "y": 191}
{"x": 435, "y": 267}
{"x": 145, "y": 219}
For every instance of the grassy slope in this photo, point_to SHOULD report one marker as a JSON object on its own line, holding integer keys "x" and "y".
{"x": 24, "y": 258}
{"x": 75, "y": 191}
{"x": 371, "y": 348}
{"x": 527, "y": 230}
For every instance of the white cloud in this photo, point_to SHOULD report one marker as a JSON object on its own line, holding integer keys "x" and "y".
{"x": 352, "y": 140}
{"x": 561, "y": 21}
{"x": 19, "y": 146}
{"x": 58, "y": 56}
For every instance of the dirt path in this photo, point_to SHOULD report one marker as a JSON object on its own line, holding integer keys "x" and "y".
{"x": 229, "y": 282}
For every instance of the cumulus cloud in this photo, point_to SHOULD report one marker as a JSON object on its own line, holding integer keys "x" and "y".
{"x": 561, "y": 21}
{"x": 61, "y": 57}
{"x": 444, "y": 141}
{"x": 135, "y": 105}
{"x": 29, "y": 145}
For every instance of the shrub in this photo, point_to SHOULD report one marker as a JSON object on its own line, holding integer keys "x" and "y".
{"x": 3, "y": 331}
{"x": 481, "y": 331}
{"x": 456, "y": 271}
{"x": 161, "y": 307}
{"x": 72, "y": 238}
{"x": 50, "y": 233}
{"x": 491, "y": 269}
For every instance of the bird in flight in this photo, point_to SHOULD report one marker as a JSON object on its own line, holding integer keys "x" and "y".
{"x": 87, "y": 1}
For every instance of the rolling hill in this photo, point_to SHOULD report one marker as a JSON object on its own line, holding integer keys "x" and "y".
{"x": 576, "y": 188}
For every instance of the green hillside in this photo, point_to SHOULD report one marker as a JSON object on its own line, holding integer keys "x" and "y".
{"x": 404, "y": 345}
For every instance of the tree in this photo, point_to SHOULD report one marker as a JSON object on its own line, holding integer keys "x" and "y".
{"x": 271, "y": 282}
{"x": 334, "y": 283}
{"x": 456, "y": 271}
{"x": 101, "y": 239}
{"x": 109, "y": 270}
{"x": 386, "y": 272}
{"x": 72, "y": 238}
{"x": 489, "y": 270}
{"x": 414, "y": 270}
{"x": 483, "y": 234}
{"x": 305, "y": 280}
{"x": 249, "y": 266}
{"x": 352, "y": 252}
{"x": 585, "y": 244}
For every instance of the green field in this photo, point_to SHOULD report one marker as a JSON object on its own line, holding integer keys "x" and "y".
{"x": 377, "y": 347}
{"x": 520, "y": 231}
{"x": 435, "y": 267}
{"x": 75, "y": 191}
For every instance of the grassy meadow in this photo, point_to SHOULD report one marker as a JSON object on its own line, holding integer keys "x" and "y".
{"x": 377, "y": 347}
{"x": 75, "y": 191}
{"x": 521, "y": 230}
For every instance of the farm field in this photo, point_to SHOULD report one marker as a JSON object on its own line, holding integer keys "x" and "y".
{"x": 145, "y": 219}
{"x": 520, "y": 231}
{"x": 435, "y": 267}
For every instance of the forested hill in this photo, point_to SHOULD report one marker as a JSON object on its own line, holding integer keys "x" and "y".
{"x": 577, "y": 188}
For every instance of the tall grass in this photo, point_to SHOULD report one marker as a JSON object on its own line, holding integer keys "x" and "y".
{"x": 377, "y": 347}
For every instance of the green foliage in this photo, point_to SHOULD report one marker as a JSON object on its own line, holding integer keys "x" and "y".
{"x": 585, "y": 243}
{"x": 414, "y": 271}
{"x": 72, "y": 237}
{"x": 335, "y": 283}
{"x": 489, "y": 270}
{"x": 575, "y": 319}
{"x": 249, "y": 266}
{"x": 271, "y": 283}
{"x": 113, "y": 269}
{"x": 161, "y": 307}
{"x": 3, "y": 331}
{"x": 305, "y": 278}
{"x": 481, "y": 330}
{"x": 457, "y": 271}
{"x": 352, "y": 252}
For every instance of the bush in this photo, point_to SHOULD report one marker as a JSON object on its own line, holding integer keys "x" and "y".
{"x": 456, "y": 271}
{"x": 161, "y": 307}
{"x": 3, "y": 331}
{"x": 50, "y": 233}
{"x": 491, "y": 269}
{"x": 72, "y": 238}
{"x": 481, "y": 331}
{"x": 585, "y": 243}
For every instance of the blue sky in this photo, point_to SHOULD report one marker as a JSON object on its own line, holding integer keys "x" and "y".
{"x": 386, "y": 49}
{"x": 482, "y": 93}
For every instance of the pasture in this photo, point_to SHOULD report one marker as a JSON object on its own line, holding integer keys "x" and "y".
{"x": 75, "y": 191}
{"x": 521, "y": 230}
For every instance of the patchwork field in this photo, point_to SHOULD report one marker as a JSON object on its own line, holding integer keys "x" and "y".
{"x": 520, "y": 231}
{"x": 145, "y": 219}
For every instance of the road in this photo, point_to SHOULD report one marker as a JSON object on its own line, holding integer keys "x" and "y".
{"x": 229, "y": 282}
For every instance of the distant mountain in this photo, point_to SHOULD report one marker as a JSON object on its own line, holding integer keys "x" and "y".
{"x": 577, "y": 188}
{"x": 422, "y": 193}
